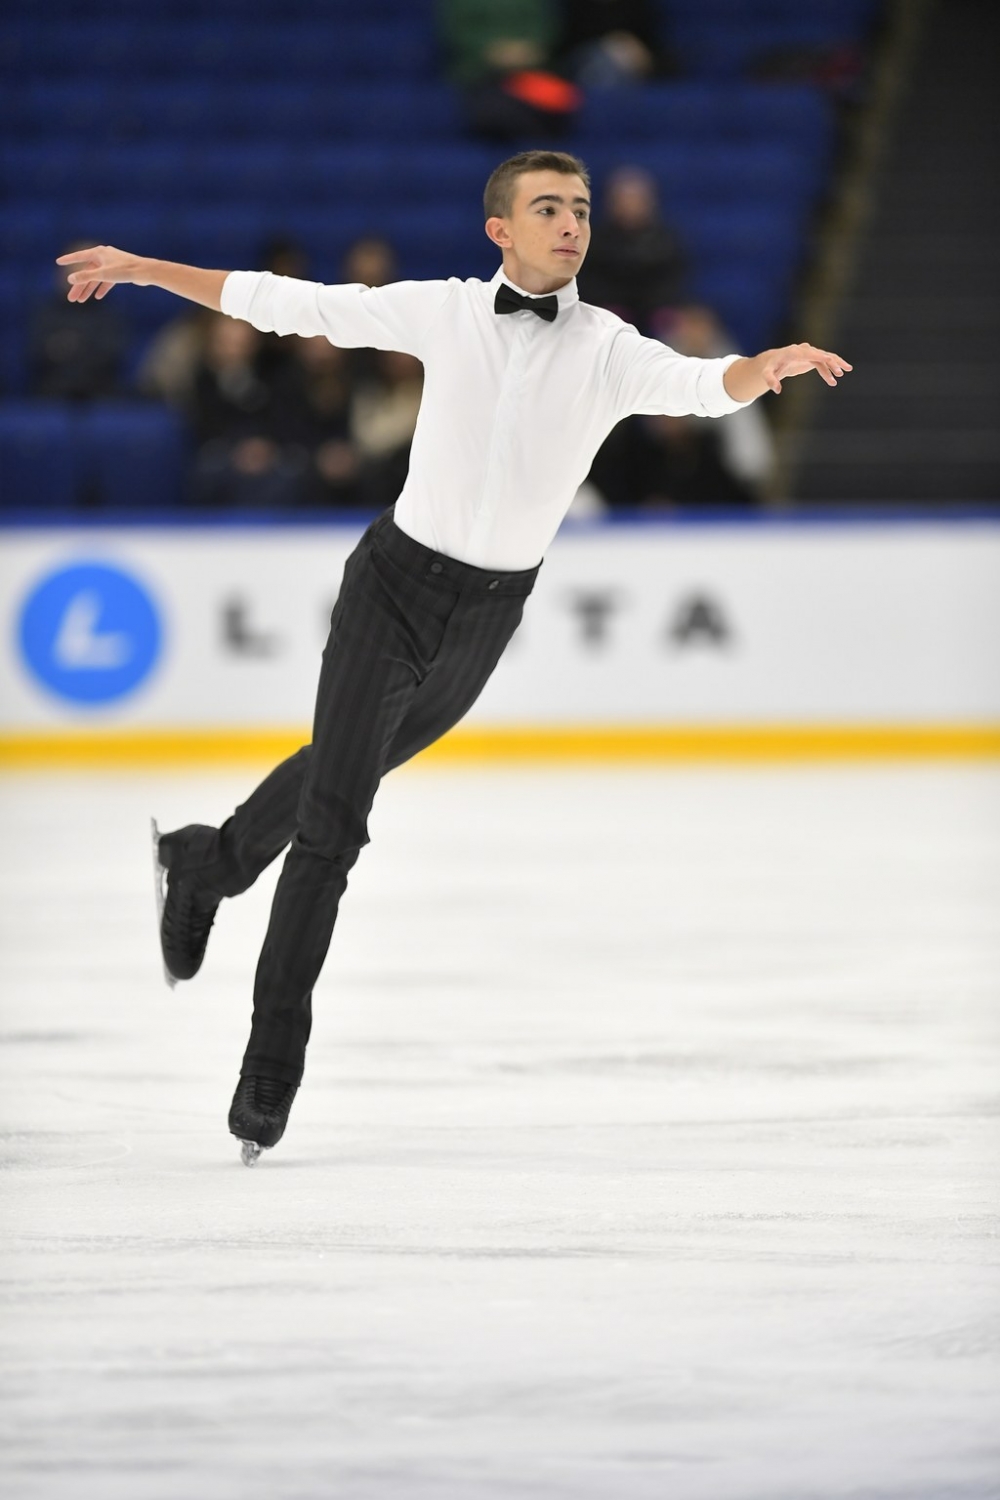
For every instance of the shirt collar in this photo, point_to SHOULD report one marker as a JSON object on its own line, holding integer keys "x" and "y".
{"x": 565, "y": 296}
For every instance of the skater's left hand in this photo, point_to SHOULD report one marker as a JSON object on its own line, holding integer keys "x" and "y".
{"x": 747, "y": 378}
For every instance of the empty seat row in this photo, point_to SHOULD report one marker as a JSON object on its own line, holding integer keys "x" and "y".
{"x": 712, "y": 113}
{"x": 731, "y": 51}
{"x": 208, "y": 110}
{"x": 746, "y": 230}
{"x": 427, "y": 244}
{"x": 693, "y": 112}
{"x": 330, "y": 49}
{"x": 429, "y": 240}
{"x": 112, "y": 455}
{"x": 852, "y": 16}
{"x": 280, "y": 173}
{"x": 334, "y": 51}
{"x": 238, "y": 10}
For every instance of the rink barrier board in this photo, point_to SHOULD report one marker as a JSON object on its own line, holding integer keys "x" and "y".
{"x": 506, "y": 744}
{"x": 646, "y": 642}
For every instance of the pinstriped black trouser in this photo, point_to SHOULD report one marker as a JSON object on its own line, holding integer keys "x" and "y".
{"x": 414, "y": 637}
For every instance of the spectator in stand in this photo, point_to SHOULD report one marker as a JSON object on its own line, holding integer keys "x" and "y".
{"x": 484, "y": 38}
{"x": 665, "y": 463}
{"x": 76, "y": 359}
{"x": 282, "y": 256}
{"x": 498, "y": 56}
{"x": 313, "y": 412}
{"x": 167, "y": 369}
{"x": 384, "y": 418}
{"x": 370, "y": 261}
{"x": 239, "y": 462}
{"x": 636, "y": 265}
{"x": 746, "y": 447}
{"x": 612, "y": 43}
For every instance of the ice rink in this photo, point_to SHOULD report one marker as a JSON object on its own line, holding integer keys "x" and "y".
{"x": 647, "y": 1150}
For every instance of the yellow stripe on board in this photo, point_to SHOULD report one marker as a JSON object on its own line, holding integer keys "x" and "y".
{"x": 471, "y": 744}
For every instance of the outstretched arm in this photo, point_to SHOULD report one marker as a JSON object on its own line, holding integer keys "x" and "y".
{"x": 101, "y": 268}
{"x": 352, "y": 316}
{"x": 745, "y": 379}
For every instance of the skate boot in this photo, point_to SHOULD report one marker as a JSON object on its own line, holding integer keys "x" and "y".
{"x": 184, "y": 913}
{"x": 259, "y": 1113}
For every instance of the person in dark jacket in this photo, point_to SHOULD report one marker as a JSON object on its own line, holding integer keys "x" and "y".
{"x": 636, "y": 264}
{"x": 665, "y": 463}
{"x": 611, "y": 43}
{"x": 232, "y": 411}
{"x": 313, "y": 416}
{"x": 72, "y": 357}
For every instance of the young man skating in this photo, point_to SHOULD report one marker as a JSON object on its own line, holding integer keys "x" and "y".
{"x": 522, "y": 384}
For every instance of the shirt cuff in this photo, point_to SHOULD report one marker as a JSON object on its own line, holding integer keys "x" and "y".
{"x": 238, "y": 292}
{"x": 721, "y": 403}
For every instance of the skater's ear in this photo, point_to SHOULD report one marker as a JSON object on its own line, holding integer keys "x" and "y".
{"x": 498, "y": 231}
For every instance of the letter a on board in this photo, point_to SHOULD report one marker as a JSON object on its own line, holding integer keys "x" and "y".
{"x": 699, "y": 619}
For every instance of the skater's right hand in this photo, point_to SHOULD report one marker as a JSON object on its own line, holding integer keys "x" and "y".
{"x": 101, "y": 268}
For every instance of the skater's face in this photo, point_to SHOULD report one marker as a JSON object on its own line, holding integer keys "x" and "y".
{"x": 545, "y": 237}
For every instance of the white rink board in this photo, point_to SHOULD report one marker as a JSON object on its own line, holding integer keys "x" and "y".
{"x": 894, "y": 623}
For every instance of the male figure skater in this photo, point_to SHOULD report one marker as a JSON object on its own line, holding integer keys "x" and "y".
{"x": 523, "y": 382}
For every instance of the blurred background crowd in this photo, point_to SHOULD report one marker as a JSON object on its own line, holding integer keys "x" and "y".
{"x": 307, "y": 140}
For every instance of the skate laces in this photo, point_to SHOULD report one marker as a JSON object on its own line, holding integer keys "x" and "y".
{"x": 187, "y": 921}
{"x": 271, "y": 1093}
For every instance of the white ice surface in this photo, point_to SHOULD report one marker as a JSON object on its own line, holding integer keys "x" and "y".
{"x": 647, "y": 1150}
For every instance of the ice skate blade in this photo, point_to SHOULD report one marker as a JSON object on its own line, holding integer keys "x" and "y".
{"x": 160, "y": 888}
{"x": 250, "y": 1153}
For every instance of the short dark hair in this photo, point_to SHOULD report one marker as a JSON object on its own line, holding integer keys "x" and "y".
{"x": 498, "y": 199}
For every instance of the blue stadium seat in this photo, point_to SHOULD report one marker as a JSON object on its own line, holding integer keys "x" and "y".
{"x": 427, "y": 112}
{"x": 791, "y": 115}
{"x": 702, "y": 173}
{"x": 134, "y": 456}
{"x": 222, "y": 235}
{"x": 29, "y": 228}
{"x": 738, "y": 235}
{"x": 40, "y": 110}
{"x": 386, "y": 174}
{"x": 205, "y": 110}
{"x": 752, "y": 302}
{"x": 733, "y": 49}
{"x": 438, "y": 243}
{"x": 327, "y": 47}
{"x": 184, "y": 11}
{"x": 39, "y": 464}
{"x": 181, "y": 109}
{"x": 13, "y": 321}
{"x": 837, "y": 15}
{"x": 133, "y": 223}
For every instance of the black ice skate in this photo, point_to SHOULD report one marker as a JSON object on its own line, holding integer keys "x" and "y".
{"x": 184, "y": 914}
{"x": 259, "y": 1113}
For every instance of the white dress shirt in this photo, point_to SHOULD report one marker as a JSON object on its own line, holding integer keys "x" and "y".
{"x": 514, "y": 408}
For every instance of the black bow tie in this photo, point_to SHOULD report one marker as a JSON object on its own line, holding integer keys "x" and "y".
{"x": 507, "y": 300}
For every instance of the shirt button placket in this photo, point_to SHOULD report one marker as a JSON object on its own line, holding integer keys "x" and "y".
{"x": 505, "y": 428}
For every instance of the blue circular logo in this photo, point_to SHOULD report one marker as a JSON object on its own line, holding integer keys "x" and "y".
{"x": 90, "y": 633}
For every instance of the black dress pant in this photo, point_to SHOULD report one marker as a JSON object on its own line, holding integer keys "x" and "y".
{"x": 414, "y": 637}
